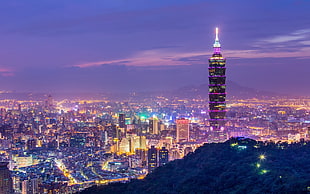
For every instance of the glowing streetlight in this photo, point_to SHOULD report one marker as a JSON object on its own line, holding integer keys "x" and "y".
{"x": 264, "y": 171}
{"x": 262, "y": 157}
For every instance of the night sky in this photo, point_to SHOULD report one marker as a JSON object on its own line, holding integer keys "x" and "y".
{"x": 139, "y": 45}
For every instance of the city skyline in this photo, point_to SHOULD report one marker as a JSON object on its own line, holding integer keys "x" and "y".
{"x": 99, "y": 46}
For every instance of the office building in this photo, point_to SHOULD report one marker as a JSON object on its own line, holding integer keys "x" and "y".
{"x": 182, "y": 130}
{"x": 152, "y": 158}
{"x": 153, "y": 125}
{"x": 122, "y": 120}
{"x": 163, "y": 157}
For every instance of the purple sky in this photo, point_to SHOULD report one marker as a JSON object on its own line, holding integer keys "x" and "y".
{"x": 138, "y": 45}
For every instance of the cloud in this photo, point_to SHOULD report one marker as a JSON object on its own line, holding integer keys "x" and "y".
{"x": 297, "y": 53}
{"x": 164, "y": 57}
{"x": 100, "y": 63}
{"x": 294, "y": 36}
{"x": 281, "y": 39}
{"x": 152, "y": 57}
{"x": 306, "y": 42}
{"x": 5, "y": 72}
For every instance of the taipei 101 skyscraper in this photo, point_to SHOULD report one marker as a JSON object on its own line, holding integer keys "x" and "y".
{"x": 217, "y": 92}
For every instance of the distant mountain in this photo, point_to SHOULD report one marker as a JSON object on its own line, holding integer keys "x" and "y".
{"x": 234, "y": 90}
{"x": 236, "y": 166}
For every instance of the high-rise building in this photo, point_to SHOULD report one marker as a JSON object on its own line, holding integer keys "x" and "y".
{"x": 163, "y": 157}
{"x": 137, "y": 142}
{"x": 104, "y": 137}
{"x": 182, "y": 130}
{"x": 121, "y": 120}
{"x": 142, "y": 154}
{"x": 217, "y": 91}
{"x": 153, "y": 125}
{"x": 6, "y": 182}
{"x": 152, "y": 158}
{"x": 30, "y": 186}
{"x": 124, "y": 146}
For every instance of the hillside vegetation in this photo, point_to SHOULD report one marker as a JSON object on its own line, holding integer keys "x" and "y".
{"x": 236, "y": 166}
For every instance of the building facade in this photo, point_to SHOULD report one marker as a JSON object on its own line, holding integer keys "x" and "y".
{"x": 122, "y": 120}
{"x": 6, "y": 182}
{"x": 182, "y": 130}
{"x": 163, "y": 157}
{"x": 217, "y": 92}
{"x": 152, "y": 159}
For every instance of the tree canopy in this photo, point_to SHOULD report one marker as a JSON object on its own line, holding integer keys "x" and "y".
{"x": 238, "y": 165}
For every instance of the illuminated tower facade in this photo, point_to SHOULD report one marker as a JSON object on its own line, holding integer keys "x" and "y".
{"x": 163, "y": 157}
{"x": 152, "y": 158}
{"x": 217, "y": 92}
{"x": 153, "y": 125}
{"x": 182, "y": 130}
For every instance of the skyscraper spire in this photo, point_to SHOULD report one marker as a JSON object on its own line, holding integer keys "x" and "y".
{"x": 217, "y": 45}
{"x": 217, "y": 93}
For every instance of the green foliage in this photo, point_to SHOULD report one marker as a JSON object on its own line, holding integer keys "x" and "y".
{"x": 222, "y": 168}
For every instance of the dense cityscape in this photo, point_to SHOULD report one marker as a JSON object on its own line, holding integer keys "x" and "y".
{"x": 66, "y": 146}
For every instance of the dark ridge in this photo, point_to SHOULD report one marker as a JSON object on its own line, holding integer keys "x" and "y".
{"x": 238, "y": 165}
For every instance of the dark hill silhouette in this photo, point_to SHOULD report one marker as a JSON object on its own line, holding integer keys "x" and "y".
{"x": 236, "y": 166}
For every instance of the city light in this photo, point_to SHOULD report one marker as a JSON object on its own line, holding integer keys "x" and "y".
{"x": 263, "y": 171}
{"x": 262, "y": 157}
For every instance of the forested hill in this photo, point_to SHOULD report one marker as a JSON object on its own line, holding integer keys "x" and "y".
{"x": 236, "y": 166}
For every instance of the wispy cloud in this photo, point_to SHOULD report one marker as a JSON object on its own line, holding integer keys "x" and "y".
{"x": 163, "y": 57}
{"x": 306, "y": 42}
{"x": 154, "y": 57}
{"x": 6, "y": 72}
{"x": 299, "y": 35}
{"x": 298, "y": 53}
